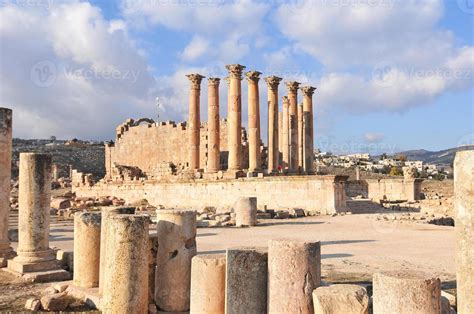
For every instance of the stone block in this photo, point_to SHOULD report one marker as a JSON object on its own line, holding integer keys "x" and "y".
{"x": 343, "y": 298}
{"x": 33, "y": 305}
{"x": 56, "y": 302}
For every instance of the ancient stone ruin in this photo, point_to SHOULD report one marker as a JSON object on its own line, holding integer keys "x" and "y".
{"x": 137, "y": 261}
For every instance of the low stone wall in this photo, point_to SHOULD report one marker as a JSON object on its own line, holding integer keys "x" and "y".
{"x": 325, "y": 194}
{"x": 394, "y": 189}
{"x": 357, "y": 188}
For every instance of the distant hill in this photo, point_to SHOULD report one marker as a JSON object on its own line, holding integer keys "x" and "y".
{"x": 440, "y": 158}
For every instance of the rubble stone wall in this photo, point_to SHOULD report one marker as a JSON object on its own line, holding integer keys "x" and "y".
{"x": 357, "y": 188}
{"x": 325, "y": 194}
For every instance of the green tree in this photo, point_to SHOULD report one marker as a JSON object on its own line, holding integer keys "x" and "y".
{"x": 395, "y": 171}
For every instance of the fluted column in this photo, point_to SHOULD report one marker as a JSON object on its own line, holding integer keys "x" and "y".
{"x": 213, "y": 138}
{"x": 285, "y": 141}
{"x": 6, "y": 251}
{"x": 308, "y": 92}
{"x": 235, "y": 116}
{"x": 254, "y": 120}
{"x": 273, "y": 153}
{"x": 300, "y": 139}
{"x": 194, "y": 119}
{"x": 293, "y": 124}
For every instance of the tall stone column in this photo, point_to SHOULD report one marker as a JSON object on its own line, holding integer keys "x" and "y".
{"x": 234, "y": 116}
{"x": 273, "y": 127}
{"x": 295, "y": 282}
{"x": 308, "y": 92}
{"x": 280, "y": 136}
{"x": 176, "y": 230}
{"x": 254, "y": 121}
{"x": 300, "y": 139}
{"x": 463, "y": 204}
{"x": 293, "y": 124}
{"x": 213, "y": 138}
{"x": 6, "y": 252}
{"x": 126, "y": 276}
{"x": 35, "y": 260}
{"x": 285, "y": 141}
{"x": 86, "y": 249}
{"x": 194, "y": 119}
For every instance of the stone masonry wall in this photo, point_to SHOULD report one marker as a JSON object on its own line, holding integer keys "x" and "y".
{"x": 394, "y": 189}
{"x": 325, "y": 194}
{"x": 148, "y": 144}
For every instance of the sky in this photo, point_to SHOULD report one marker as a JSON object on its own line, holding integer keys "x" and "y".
{"x": 391, "y": 75}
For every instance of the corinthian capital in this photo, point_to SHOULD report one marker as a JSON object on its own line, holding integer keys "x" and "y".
{"x": 273, "y": 82}
{"x": 195, "y": 80}
{"x": 253, "y": 76}
{"x": 213, "y": 81}
{"x": 308, "y": 90}
{"x": 235, "y": 70}
{"x": 292, "y": 86}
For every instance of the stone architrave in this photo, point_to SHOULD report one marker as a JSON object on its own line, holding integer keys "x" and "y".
{"x": 253, "y": 78}
{"x": 194, "y": 120}
{"x": 293, "y": 124}
{"x": 213, "y": 141}
{"x": 273, "y": 123}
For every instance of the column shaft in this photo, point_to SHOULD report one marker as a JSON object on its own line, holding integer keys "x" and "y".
{"x": 273, "y": 127}
{"x": 254, "y": 121}
{"x": 308, "y": 128}
{"x": 285, "y": 141}
{"x": 293, "y": 124}
{"x": 126, "y": 276}
{"x": 176, "y": 230}
{"x": 87, "y": 249}
{"x": 300, "y": 139}
{"x": 194, "y": 120}
{"x": 463, "y": 204}
{"x": 213, "y": 138}
{"x": 280, "y": 137}
{"x": 6, "y": 251}
{"x": 235, "y": 117}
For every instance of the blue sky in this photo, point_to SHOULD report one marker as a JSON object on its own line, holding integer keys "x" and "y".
{"x": 391, "y": 75}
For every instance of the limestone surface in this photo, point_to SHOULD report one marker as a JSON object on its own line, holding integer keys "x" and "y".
{"x": 342, "y": 298}
{"x": 246, "y": 211}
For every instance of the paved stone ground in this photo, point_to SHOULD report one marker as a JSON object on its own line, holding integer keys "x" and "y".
{"x": 353, "y": 246}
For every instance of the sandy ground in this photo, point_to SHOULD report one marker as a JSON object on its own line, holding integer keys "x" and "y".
{"x": 353, "y": 247}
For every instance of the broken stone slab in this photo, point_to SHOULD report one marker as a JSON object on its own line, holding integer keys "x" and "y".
{"x": 296, "y": 212}
{"x": 282, "y": 214}
{"x": 342, "y": 298}
{"x": 56, "y": 302}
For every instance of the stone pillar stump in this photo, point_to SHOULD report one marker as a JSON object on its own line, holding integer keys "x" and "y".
{"x": 246, "y": 212}
{"x": 341, "y": 298}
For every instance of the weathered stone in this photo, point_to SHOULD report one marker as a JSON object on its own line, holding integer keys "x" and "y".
{"x": 282, "y": 214}
{"x": 194, "y": 120}
{"x": 296, "y": 212}
{"x": 293, "y": 123}
{"x": 60, "y": 203}
{"x": 56, "y": 302}
{"x": 246, "y": 211}
{"x": 208, "y": 284}
{"x": 463, "y": 204}
{"x": 6, "y": 251}
{"x": 60, "y": 287}
{"x": 295, "y": 282}
{"x": 213, "y": 152}
{"x": 106, "y": 214}
{"x": 407, "y": 292}
{"x": 33, "y": 304}
{"x": 273, "y": 154}
{"x": 254, "y": 121}
{"x": 234, "y": 116}
{"x": 126, "y": 267}
{"x": 34, "y": 255}
{"x": 176, "y": 230}
{"x": 87, "y": 249}
{"x": 246, "y": 280}
{"x": 342, "y": 298}
{"x": 152, "y": 251}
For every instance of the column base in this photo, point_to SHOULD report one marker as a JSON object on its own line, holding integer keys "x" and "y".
{"x": 43, "y": 268}
{"x": 234, "y": 174}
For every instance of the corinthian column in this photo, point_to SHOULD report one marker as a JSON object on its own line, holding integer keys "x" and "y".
{"x": 300, "y": 139}
{"x": 235, "y": 116}
{"x": 254, "y": 121}
{"x": 6, "y": 251}
{"x": 272, "y": 84}
{"x": 285, "y": 150}
{"x": 213, "y": 164}
{"x": 308, "y": 92}
{"x": 194, "y": 119}
{"x": 293, "y": 133}
{"x": 280, "y": 136}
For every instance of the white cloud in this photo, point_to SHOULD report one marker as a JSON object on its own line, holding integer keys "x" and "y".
{"x": 69, "y": 72}
{"x": 374, "y": 137}
{"x": 195, "y": 49}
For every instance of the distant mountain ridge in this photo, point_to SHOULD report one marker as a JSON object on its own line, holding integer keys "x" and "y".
{"x": 441, "y": 158}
